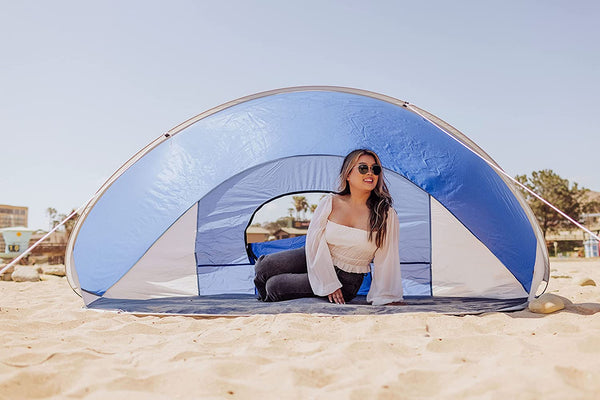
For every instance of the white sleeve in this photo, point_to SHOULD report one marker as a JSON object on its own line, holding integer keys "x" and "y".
{"x": 321, "y": 274}
{"x": 386, "y": 285}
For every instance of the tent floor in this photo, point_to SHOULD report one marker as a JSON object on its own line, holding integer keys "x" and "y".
{"x": 240, "y": 305}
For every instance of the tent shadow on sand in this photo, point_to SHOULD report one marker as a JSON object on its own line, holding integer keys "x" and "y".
{"x": 582, "y": 308}
{"x": 166, "y": 233}
{"x": 570, "y": 308}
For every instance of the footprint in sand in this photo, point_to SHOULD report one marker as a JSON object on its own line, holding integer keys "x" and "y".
{"x": 582, "y": 380}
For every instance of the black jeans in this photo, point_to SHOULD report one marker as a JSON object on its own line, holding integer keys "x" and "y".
{"x": 283, "y": 276}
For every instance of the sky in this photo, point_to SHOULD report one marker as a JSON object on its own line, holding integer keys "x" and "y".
{"x": 86, "y": 85}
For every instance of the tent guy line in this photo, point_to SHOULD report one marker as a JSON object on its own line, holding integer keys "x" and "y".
{"x": 497, "y": 168}
{"x": 33, "y": 246}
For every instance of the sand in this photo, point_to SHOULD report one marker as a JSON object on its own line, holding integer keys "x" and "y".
{"x": 53, "y": 348}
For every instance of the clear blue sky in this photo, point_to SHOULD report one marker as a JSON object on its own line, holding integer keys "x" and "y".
{"x": 85, "y": 85}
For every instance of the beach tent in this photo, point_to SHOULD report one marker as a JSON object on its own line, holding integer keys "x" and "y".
{"x": 166, "y": 233}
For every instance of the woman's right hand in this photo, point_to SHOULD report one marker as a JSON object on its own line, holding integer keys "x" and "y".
{"x": 337, "y": 297}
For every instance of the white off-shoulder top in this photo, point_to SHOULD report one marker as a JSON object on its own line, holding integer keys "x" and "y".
{"x": 349, "y": 247}
{"x": 329, "y": 244}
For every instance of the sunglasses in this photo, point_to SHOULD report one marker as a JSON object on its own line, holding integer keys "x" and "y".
{"x": 364, "y": 168}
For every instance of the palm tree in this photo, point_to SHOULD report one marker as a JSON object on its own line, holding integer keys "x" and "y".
{"x": 70, "y": 224}
{"x": 52, "y": 215}
{"x": 56, "y": 218}
{"x": 300, "y": 204}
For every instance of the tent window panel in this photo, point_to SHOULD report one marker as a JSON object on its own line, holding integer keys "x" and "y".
{"x": 284, "y": 217}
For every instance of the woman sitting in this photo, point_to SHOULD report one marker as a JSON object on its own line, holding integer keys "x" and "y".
{"x": 349, "y": 229}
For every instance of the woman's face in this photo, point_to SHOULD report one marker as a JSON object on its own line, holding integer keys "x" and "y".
{"x": 358, "y": 181}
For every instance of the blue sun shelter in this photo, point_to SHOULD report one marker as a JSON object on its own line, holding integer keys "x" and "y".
{"x": 166, "y": 233}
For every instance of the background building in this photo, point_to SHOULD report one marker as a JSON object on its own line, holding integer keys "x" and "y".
{"x": 285, "y": 233}
{"x": 257, "y": 234}
{"x": 13, "y": 216}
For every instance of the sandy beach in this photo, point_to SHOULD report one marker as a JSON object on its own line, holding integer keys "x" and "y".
{"x": 53, "y": 348}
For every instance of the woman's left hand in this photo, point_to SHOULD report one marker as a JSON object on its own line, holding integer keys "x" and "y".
{"x": 337, "y": 297}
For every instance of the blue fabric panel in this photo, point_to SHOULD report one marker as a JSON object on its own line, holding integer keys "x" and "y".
{"x": 412, "y": 206}
{"x": 366, "y": 285}
{"x": 229, "y": 279}
{"x": 416, "y": 280}
{"x": 275, "y": 246}
{"x": 153, "y": 192}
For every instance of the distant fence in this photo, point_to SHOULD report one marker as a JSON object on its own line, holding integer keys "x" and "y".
{"x": 52, "y": 253}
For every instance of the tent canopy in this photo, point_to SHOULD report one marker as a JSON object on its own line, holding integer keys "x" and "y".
{"x": 171, "y": 222}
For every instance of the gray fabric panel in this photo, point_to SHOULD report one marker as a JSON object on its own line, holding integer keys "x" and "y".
{"x": 241, "y": 305}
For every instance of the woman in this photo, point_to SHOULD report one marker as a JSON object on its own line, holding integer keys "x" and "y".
{"x": 349, "y": 229}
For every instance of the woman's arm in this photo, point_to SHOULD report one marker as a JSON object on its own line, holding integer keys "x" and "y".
{"x": 386, "y": 286}
{"x": 321, "y": 273}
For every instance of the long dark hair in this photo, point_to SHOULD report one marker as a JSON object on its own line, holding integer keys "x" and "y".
{"x": 379, "y": 202}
